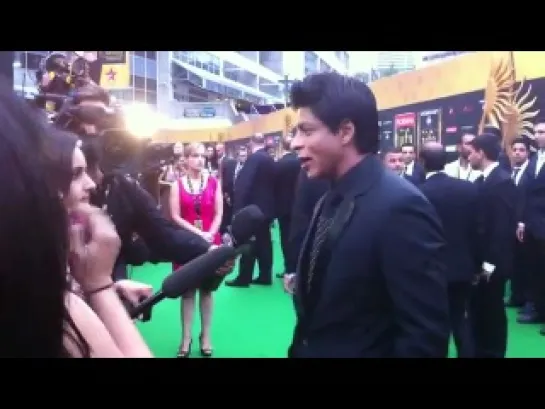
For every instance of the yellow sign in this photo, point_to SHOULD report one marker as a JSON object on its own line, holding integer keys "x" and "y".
{"x": 115, "y": 70}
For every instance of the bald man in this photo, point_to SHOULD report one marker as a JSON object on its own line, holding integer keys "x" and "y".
{"x": 455, "y": 201}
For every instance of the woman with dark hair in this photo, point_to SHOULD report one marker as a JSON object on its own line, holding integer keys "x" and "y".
{"x": 40, "y": 317}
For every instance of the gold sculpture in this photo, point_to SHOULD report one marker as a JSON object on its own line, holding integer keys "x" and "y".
{"x": 504, "y": 107}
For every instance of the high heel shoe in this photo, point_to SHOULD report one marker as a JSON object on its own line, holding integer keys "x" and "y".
{"x": 184, "y": 353}
{"x": 205, "y": 352}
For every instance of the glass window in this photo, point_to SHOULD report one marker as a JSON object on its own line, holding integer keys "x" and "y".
{"x": 273, "y": 60}
{"x": 139, "y": 82}
{"x": 251, "y": 55}
{"x": 138, "y": 66}
{"x": 152, "y": 98}
{"x": 140, "y": 53}
{"x": 151, "y": 68}
{"x": 325, "y": 67}
{"x": 152, "y": 55}
{"x": 271, "y": 88}
{"x": 151, "y": 84}
{"x": 239, "y": 75}
{"x": 311, "y": 62}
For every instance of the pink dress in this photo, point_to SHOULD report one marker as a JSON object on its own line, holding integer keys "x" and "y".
{"x": 204, "y": 203}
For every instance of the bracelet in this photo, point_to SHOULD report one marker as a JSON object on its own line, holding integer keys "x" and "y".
{"x": 99, "y": 289}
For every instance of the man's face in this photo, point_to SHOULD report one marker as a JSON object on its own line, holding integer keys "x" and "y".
{"x": 463, "y": 148}
{"x": 475, "y": 158}
{"x": 318, "y": 149}
{"x": 520, "y": 153}
{"x": 242, "y": 155}
{"x": 220, "y": 149}
{"x": 539, "y": 132}
{"x": 209, "y": 152}
{"x": 408, "y": 154}
{"x": 394, "y": 161}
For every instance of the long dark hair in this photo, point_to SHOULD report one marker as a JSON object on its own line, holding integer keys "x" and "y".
{"x": 33, "y": 238}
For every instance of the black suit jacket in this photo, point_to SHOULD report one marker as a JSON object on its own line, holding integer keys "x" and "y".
{"x": 255, "y": 184}
{"x": 227, "y": 175}
{"x": 287, "y": 172}
{"x": 456, "y": 203}
{"x": 498, "y": 198}
{"x": 383, "y": 291}
{"x": 522, "y": 187}
{"x": 533, "y": 213}
{"x": 418, "y": 176}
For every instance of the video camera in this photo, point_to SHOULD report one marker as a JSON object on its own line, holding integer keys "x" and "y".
{"x": 64, "y": 81}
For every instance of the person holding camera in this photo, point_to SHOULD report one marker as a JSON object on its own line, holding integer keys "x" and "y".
{"x": 196, "y": 204}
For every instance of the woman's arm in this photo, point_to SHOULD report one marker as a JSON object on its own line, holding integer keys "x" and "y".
{"x": 123, "y": 340}
{"x": 174, "y": 202}
{"x": 218, "y": 209}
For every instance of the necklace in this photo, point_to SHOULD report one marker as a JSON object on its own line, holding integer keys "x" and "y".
{"x": 190, "y": 185}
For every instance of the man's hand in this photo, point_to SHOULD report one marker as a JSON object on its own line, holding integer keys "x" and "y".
{"x": 133, "y": 291}
{"x": 289, "y": 283}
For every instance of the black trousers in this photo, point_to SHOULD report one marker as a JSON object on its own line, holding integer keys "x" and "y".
{"x": 260, "y": 251}
{"x": 459, "y": 297}
{"x": 536, "y": 267}
{"x": 488, "y": 317}
{"x": 226, "y": 218}
{"x": 520, "y": 279}
{"x": 284, "y": 223}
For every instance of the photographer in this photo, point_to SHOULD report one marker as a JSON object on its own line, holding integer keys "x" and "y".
{"x": 145, "y": 234}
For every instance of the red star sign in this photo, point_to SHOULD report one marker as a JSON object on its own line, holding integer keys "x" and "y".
{"x": 111, "y": 74}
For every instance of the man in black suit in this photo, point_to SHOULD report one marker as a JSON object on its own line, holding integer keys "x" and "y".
{"x": 455, "y": 201}
{"x": 519, "y": 174}
{"x": 413, "y": 170}
{"x": 532, "y": 227}
{"x": 370, "y": 280}
{"x": 254, "y": 184}
{"x": 497, "y": 224}
{"x": 287, "y": 172}
{"x": 226, "y": 173}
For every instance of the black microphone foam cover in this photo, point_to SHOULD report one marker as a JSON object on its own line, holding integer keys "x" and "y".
{"x": 245, "y": 223}
{"x": 192, "y": 274}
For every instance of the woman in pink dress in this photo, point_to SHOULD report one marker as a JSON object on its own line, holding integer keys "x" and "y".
{"x": 196, "y": 204}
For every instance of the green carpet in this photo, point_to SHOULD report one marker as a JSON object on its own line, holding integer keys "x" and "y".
{"x": 257, "y": 322}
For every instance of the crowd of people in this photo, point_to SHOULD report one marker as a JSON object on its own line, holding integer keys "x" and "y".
{"x": 387, "y": 254}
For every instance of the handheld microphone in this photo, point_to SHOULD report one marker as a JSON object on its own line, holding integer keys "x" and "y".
{"x": 245, "y": 222}
{"x": 187, "y": 277}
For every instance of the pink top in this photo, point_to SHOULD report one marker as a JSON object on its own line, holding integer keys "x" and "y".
{"x": 204, "y": 202}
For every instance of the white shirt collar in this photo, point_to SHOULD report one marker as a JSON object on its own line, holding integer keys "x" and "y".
{"x": 432, "y": 173}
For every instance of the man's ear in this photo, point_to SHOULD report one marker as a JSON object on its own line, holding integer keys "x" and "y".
{"x": 346, "y": 132}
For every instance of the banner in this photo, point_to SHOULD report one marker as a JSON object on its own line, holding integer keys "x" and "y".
{"x": 429, "y": 126}
{"x": 405, "y": 128}
{"x": 386, "y": 128}
{"x": 115, "y": 72}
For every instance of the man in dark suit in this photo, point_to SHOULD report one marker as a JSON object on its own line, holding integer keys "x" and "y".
{"x": 455, "y": 201}
{"x": 254, "y": 184}
{"x": 497, "y": 224}
{"x": 370, "y": 280}
{"x": 413, "y": 170}
{"x": 226, "y": 173}
{"x": 532, "y": 227}
{"x": 287, "y": 172}
{"x": 519, "y": 174}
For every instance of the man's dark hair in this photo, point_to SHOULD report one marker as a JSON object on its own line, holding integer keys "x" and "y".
{"x": 334, "y": 98}
{"x": 433, "y": 159}
{"x": 488, "y": 144}
{"x": 391, "y": 149}
{"x": 521, "y": 140}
